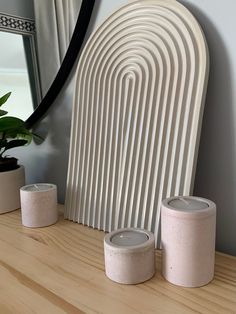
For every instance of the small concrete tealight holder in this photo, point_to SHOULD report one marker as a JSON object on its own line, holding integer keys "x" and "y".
{"x": 129, "y": 255}
{"x": 39, "y": 205}
{"x": 188, "y": 240}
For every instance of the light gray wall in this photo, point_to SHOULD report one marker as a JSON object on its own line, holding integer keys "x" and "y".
{"x": 22, "y": 8}
{"x": 216, "y": 170}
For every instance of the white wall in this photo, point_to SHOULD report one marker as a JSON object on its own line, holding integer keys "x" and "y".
{"x": 216, "y": 171}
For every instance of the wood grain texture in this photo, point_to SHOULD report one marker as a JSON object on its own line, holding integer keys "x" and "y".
{"x": 60, "y": 269}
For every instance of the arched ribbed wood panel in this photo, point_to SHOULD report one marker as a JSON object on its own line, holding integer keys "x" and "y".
{"x": 137, "y": 114}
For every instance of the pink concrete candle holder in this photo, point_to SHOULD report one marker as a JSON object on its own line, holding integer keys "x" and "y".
{"x": 188, "y": 240}
{"x": 39, "y": 205}
{"x": 129, "y": 255}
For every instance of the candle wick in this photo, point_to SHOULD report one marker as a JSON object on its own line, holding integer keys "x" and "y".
{"x": 35, "y": 185}
{"x": 124, "y": 236}
{"x": 184, "y": 201}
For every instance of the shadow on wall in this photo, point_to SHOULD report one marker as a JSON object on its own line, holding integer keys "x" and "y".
{"x": 216, "y": 168}
{"x": 48, "y": 161}
{"x": 56, "y": 146}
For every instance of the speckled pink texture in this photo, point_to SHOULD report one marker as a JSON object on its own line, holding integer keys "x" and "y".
{"x": 129, "y": 265}
{"x": 39, "y": 208}
{"x": 188, "y": 244}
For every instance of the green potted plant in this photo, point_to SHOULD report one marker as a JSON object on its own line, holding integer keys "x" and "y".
{"x": 12, "y": 176}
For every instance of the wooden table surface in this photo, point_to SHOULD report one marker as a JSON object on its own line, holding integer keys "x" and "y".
{"x": 60, "y": 269}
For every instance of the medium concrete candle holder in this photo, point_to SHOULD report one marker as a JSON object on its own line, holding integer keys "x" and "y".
{"x": 129, "y": 255}
{"x": 39, "y": 205}
{"x": 188, "y": 240}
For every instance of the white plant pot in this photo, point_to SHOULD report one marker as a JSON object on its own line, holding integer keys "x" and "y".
{"x": 10, "y": 184}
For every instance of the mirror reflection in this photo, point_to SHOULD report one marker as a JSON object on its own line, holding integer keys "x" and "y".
{"x": 48, "y": 65}
{"x": 14, "y": 76}
{"x": 18, "y": 65}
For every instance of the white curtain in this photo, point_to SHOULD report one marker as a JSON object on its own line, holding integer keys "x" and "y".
{"x": 55, "y": 22}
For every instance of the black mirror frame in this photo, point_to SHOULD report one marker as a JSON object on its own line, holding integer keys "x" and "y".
{"x": 67, "y": 64}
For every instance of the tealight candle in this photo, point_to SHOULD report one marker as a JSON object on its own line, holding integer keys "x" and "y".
{"x": 188, "y": 240}
{"x": 39, "y": 205}
{"x": 187, "y": 204}
{"x": 129, "y": 255}
{"x": 129, "y": 238}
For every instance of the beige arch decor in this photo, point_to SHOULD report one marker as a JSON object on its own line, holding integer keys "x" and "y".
{"x": 138, "y": 106}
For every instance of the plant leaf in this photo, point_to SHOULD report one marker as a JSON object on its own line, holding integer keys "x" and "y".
{"x": 3, "y": 143}
{"x": 3, "y": 112}
{"x": 4, "y": 98}
{"x": 19, "y": 133}
{"x": 15, "y": 143}
{"x": 37, "y": 136}
{"x": 10, "y": 123}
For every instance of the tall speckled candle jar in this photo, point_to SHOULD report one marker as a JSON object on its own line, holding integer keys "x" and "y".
{"x": 188, "y": 240}
{"x": 39, "y": 205}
